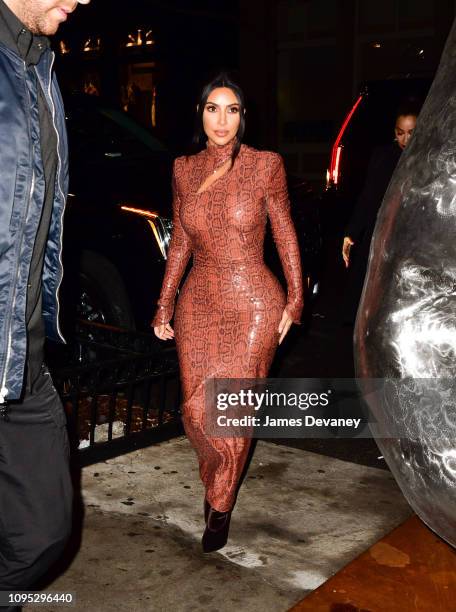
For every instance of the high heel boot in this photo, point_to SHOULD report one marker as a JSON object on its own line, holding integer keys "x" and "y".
{"x": 215, "y": 535}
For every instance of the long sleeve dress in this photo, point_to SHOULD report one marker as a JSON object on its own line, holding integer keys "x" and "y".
{"x": 228, "y": 311}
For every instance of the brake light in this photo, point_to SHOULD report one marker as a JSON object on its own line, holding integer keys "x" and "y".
{"x": 333, "y": 173}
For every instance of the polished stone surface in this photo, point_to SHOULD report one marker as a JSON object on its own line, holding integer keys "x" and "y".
{"x": 406, "y": 324}
{"x": 409, "y": 570}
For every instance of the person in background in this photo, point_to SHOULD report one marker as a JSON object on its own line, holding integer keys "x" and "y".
{"x": 35, "y": 483}
{"x": 358, "y": 233}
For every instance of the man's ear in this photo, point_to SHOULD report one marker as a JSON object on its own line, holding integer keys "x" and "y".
{"x": 197, "y": 107}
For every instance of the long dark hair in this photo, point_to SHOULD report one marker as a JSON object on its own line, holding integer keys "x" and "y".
{"x": 410, "y": 105}
{"x": 222, "y": 79}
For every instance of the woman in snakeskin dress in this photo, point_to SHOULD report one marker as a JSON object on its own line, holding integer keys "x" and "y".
{"x": 231, "y": 312}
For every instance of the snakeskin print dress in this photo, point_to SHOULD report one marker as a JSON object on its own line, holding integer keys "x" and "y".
{"x": 228, "y": 311}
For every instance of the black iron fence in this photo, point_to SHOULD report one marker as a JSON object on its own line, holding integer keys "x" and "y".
{"x": 120, "y": 390}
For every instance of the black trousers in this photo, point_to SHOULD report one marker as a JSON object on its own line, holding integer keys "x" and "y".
{"x": 36, "y": 492}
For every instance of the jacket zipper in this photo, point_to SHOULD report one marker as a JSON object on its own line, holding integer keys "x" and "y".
{"x": 59, "y": 168}
{"x": 4, "y": 390}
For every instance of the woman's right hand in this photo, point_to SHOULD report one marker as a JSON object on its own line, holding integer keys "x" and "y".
{"x": 164, "y": 331}
{"x": 348, "y": 243}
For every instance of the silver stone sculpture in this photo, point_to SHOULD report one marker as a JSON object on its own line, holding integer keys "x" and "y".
{"x": 405, "y": 330}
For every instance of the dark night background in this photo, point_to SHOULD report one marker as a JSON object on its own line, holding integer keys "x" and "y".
{"x": 301, "y": 62}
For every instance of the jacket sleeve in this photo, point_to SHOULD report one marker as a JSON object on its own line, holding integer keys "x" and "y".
{"x": 179, "y": 251}
{"x": 284, "y": 234}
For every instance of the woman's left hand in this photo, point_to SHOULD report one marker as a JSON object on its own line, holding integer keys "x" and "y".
{"x": 284, "y": 325}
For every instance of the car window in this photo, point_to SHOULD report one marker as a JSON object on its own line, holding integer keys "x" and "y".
{"x": 100, "y": 133}
{"x": 126, "y": 129}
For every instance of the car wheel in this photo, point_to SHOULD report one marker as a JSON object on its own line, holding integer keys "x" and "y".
{"x": 102, "y": 294}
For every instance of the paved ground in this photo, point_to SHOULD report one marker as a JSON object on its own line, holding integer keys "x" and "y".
{"x": 300, "y": 517}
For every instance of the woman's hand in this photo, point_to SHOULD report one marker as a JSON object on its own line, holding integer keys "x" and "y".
{"x": 348, "y": 243}
{"x": 164, "y": 331}
{"x": 284, "y": 325}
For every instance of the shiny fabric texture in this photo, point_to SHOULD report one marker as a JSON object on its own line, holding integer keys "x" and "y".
{"x": 229, "y": 308}
{"x": 21, "y": 197}
{"x": 406, "y": 324}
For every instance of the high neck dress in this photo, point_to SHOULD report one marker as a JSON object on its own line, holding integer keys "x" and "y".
{"x": 228, "y": 311}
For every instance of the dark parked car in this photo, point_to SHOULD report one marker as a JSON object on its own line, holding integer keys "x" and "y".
{"x": 117, "y": 224}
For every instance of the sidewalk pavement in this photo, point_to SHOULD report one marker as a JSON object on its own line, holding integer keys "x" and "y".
{"x": 300, "y": 517}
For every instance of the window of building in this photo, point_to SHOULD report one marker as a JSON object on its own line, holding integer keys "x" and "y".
{"x": 322, "y": 18}
{"x": 311, "y": 19}
{"x": 415, "y": 13}
{"x": 376, "y": 16}
{"x": 292, "y": 20}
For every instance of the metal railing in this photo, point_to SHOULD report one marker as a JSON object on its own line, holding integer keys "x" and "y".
{"x": 120, "y": 390}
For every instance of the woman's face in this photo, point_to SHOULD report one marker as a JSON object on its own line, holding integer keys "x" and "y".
{"x": 405, "y": 124}
{"x": 221, "y": 116}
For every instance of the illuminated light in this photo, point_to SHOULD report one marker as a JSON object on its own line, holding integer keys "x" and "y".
{"x": 154, "y": 108}
{"x": 376, "y": 45}
{"x": 91, "y": 89}
{"x": 140, "y": 211}
{"x": 139, "y": 39}
{"x": 150, "y": 216}
{"x": 337, "y": 165}
{"x": 64, "y": 49}
{"x": 92, "y": 44}
{"x": 157, "y": 237}
{"x": 333, "y": 172}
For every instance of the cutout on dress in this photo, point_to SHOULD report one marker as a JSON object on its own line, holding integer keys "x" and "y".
{"x": 213, "y": 178}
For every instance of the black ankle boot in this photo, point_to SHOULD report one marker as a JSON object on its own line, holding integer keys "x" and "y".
{"x": 215, "y": 535}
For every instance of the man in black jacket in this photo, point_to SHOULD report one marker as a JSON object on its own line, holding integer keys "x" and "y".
{"x": 35, "y": 484}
